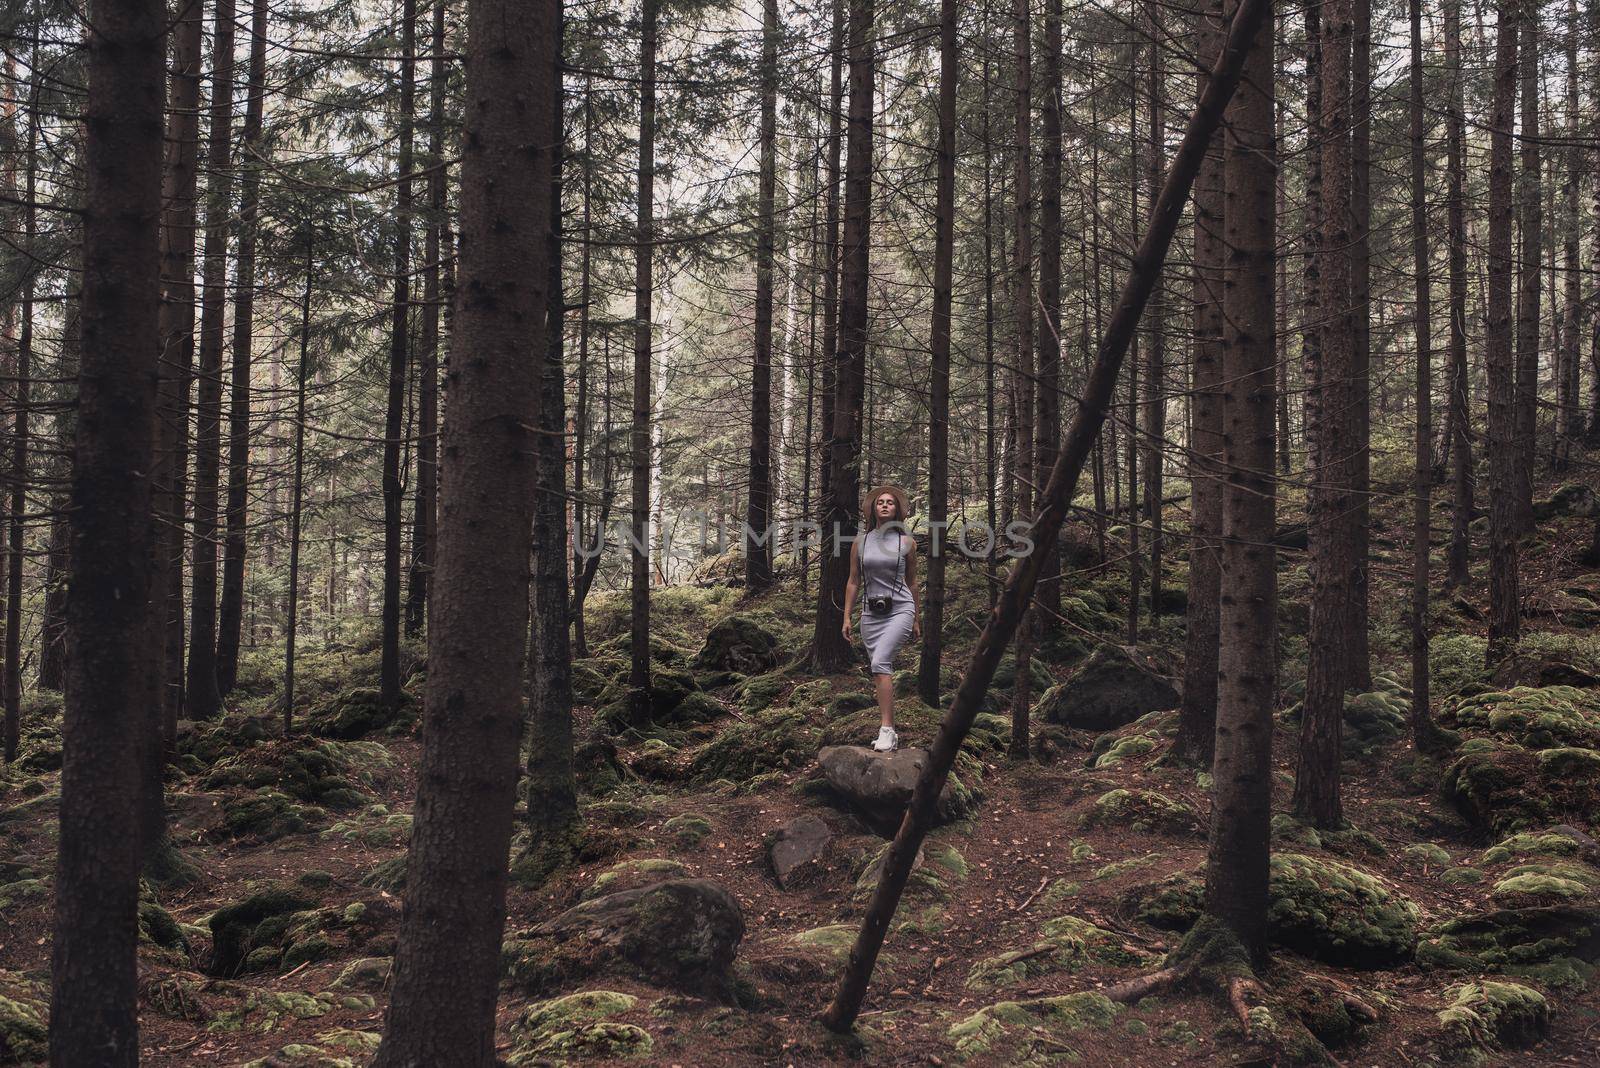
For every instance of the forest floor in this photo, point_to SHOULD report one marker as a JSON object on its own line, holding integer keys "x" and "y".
{"x": 1449, "y": 909}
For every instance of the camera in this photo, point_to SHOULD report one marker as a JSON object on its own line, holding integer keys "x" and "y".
{"x": 879, "y": 606}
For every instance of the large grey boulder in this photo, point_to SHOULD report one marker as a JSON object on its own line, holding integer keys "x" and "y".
{"x": 1109, "y": 691}
{"x": 681, "y": 934}
{"x": 878, "y": 786}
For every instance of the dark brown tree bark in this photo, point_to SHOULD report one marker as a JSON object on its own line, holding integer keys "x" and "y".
{"x": 1424, "y": 735}
{"x": 939, "y": 337}
{"x": 1076, "y": 445}
{"x": 1333, "y": 514}
{"x": 830, "y": 651}
{"x": 1569, "y": 416}
{"x": 1154, "y": 407}
{"x": 424, "y": 517}
{"x": 1360, "y": 126}
{"x": 447, "y": 963}
{"x": 230, "y": 614}
{"x": 1311, "y": 276}
{"x": 1237, "y": 853}
{"x": 399, "y": 358}
{"x": 180, "y": 192}
{"x": 1499, "y": 361}
{"x": 758, "y": 505}
{"x": 1460, "y": 429}
{"x": 1047, "y": 418}
{"x": 112, "y": 677}
{"x": 1197, "y": 715}
{"x": 19, "y": 443}
{"x": 552, "y": 797}
{"x": 1530, "y": 258}
{"x": 1022, "y": 293}
{"x": 297, "y": 490}
{"x": 204, "y": 695}
{"x": 644, "y": 249}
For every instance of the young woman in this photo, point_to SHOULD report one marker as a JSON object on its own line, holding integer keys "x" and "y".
{"x": 883, "y": 568}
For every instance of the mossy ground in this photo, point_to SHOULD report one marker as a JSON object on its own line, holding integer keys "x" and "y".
{"x": 1045, "y": 894}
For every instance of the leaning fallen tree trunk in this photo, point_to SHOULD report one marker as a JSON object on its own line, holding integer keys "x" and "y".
{"x": 1146, "y": 269}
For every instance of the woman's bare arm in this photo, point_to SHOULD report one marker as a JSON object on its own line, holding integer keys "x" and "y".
{"x": 851, "y": 586}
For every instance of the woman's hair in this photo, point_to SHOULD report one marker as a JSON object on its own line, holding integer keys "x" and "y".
{"x": 902, "y": 505}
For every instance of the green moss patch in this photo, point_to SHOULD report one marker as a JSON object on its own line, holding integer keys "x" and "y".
{"x": 1067, "y": 944}
{"x": 1142, "y": 810}
{"x": 1557, "y": 945}
{"x": 1485, "y": 1017}
{"x": 1032, "y": 1032}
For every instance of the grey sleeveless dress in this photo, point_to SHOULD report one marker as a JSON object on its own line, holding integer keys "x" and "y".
{"x": 883, "y": 573}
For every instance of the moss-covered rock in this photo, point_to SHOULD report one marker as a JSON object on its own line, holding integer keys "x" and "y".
{"x": 375, "y": 827}
{"x": 687, "y": 830}
{"x": 360, "y": 712}
{"x": 24, "y": 1022}
{"x": 1371, "y": 720}
{"x": 1525, "y": 845}
{"x": 265, "y": 1010}
{"x": 577, "y": 1025}
{"x": 1534, "y": 717}
{"x": 760, "y": 691}
{"x": 1031, "y": 1032}
{"x": 1109, "y": 690}
{"x": 1557, "y": 945}
{"x": 1067, "y": 944}
{"x": 22, "y": 890}
{"x": 1321, "y": 908}
{"x": 1486, "y": 1017}
{"x": 1142, "y": 810}
{"x": 268, "y": 814}
{"x": 1504, "y": 789}
{"x": 234, "y": 927}
{"x": 738, "y": 643}
{"x": 323, "y": 772}
{"x": 1550, "y": 879}
{"x": 370, "y": 974}
{"x": 775, "y": 740}
{"x": 632, "y": 873}
{"x": 1338, "y": 913}
{"x": 681, "y": 933}
{"x": 1117, "y": 750}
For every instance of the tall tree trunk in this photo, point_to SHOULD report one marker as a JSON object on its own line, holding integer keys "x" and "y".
{"x": 399, "y": 344}
{"x": 179, "y": 197}
{"x": 53, "y": 629}
{"x": 939, "y": 404}
{"x": 1023, "y": 295}
{"x": 1568, "y": 413}
{"x": 1237, "y": 853}
{"x": 830, "y": 307}
{"x": 644, "y": 250}
{"x": 1086, "y": 424}
{"x": 552, "y": 798}
{"x": 112, "y": 679}
{"x": 205, "y": 697}
{"x": 1197, "y": 715}
{"x": 297, "y": 491}
{"x": 1311, "y": 277}
{"x": 1155, "y": 400}
{"x": 447, "y": 963}
{"x": 1499, "y": 362}
{"x": 830, "y": 651}
{"x": 1424, "y": 735}
{"x": 1530, "y": 259}
{"x": 1047, "y": 435}
{"x": 425, "y": 513}
{"x": 758, "y": 515}
{"x": 1334, "y": 541}
{"x": 19, "y": 443}
{"x": 230, "y": 616}
{"x": 1360, "y": 125}
{"x": 1460, "y": 433}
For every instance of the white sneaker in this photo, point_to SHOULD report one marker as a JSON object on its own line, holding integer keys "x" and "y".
{"x": 887, "y": 740}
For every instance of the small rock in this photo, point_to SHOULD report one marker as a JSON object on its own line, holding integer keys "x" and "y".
{"x": 798, "y": 850}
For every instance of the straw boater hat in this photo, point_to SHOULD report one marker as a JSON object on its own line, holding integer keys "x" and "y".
{"x": 902, "y": 505}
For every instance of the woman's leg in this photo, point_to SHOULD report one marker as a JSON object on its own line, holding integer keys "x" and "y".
{"x": 884, "y": 684}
